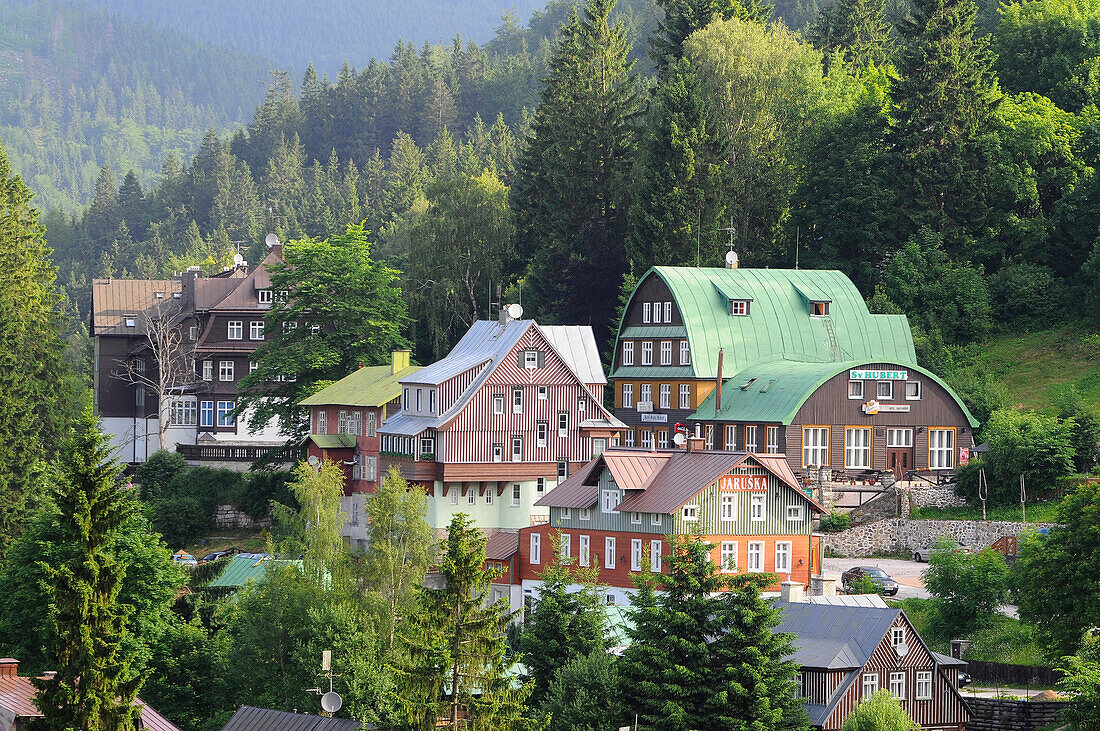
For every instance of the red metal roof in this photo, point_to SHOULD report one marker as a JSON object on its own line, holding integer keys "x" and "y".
{"x": 681, "y": 478}
{"x": 634, "y": 470}
{"x": 502, "y": 546}
{"x": 17, "y": 697}
{"x": 575, "y": 491}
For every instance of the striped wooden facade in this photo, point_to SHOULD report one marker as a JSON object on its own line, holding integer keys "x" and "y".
{"x": 945, "y": 709}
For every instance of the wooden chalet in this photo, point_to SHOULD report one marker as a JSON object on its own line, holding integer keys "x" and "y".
{"x": 848, "y": 652}
{"x": 786, "y": 362}
{"x": 512, "y": 410}
{"x": 617, "y": 512}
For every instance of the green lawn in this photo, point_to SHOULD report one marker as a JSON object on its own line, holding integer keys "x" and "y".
{"x": 1005, "y": 640}
{"x": 1036, "y": 513}
{"x": 1032, "y": 367}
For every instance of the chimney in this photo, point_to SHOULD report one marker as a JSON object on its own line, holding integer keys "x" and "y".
{"x": 49, "y": 674}
{"x": 718, "y": 385}
{"x": 400, "y": 360}
{"x": 821, "y": 586}
{"x": 9, "y": 667}
{"x": 187, "y": 297}
{"x": 791, "y": 591}
{"x": 696, "y": 444}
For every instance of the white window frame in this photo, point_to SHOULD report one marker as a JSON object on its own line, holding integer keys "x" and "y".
{"x": 654, "y": 518}
{"x": 226, "y": 370}
{"x": 609, "y": 552}
{"x": 628, "y": 438}
{"x": 668, "y": 312}
{"x": 897, "y": 636}
{"x": 566, "y": 546}
{"x": 563, "y": 423}
{"x": 751, "y": 431}
{"x": 758, "y": 507}
{"x": 647, "y": 312}
{"x": 869, "y": 685}
{"x": 795, "y": 513}
{"x": 924, "y": 685}
{"x": 542, "y": 434}
{"x": 628, "y": 396}
{"x": 857, "y": 448}
{"x": 727, "y": 557}
{"x": 454, "y": 496}
{"x": 655, "y": 556}
{"x": 585, "y": 514}
{"x": 517, "y": 400}
{"x": 897, "y": 684}
{"x": 225, "y": 414}
{"x": 471, "y": 496}
{"x": 263, "y": 296}
{"x": 185, "y": 412}
{"x": 855, "y": 390}
{"x": 322, "y": 421}
{"x": 772, "y": 436}
{"x": 730, "y": 437}
{"x": 489, "y": 496}
{"x": 256, "y": 330}
{"x": 899, "y": 438}
{"x": 918, "y": 388}
{"x": 542, "y": 393}
{"x": 685, "y": 353}
{"x": 206, "y": 414}
{"x": 584, "y": 551}
{"x": 609, "y": 498}
{"x": 739, "y": 307}
{"x": 647, "y": 352}
{"x": 666, "y": 352}
{"x": 628, "y": 352}
{"x": 193, "y": 332}
{"x": 727, "y": 507}
{"x": 498, "y": 404}
{"x": 755, "y": 557}
{"x": 689, "y": 513}
{"x": 516, "y": 495}
{"x": 645, "y": 438}
{"x": 884, "y": 391}
{"x": 530, "y": 359}
{"x": 234, "y": 330}
{"x": 536, "y": 548}
{"x": 815, "y": 451}
{"x": 664, "y": 393}
{"x": 636, "y": 554}
{"x": 517, "y": 448}
{"x": 941, "y": 448}
{"x": 498, "y": 452}
{"x": 645, "y": 393}
{"x": 783, "y": 551}
{"x": 582, "y": 404}
{"x": 685, "y": 395}
{"x": 636, "y": 518}
{"x": 208, "y": 370}
{"x": 662, "y": 438}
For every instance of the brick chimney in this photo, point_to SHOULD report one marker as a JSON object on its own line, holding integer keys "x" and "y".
{"x": 9, "y": 667}
{"x": 821, "y": 586}
{"x": 791, "y": 591}
{"x": 696, "y": 444}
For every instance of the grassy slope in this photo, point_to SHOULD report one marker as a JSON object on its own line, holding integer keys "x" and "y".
{"x": 1032, "y": 367}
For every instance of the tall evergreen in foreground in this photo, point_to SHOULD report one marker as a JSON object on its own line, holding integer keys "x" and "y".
{"x": 570, "y": 195}
{"x": 94, "y": 688}
{"x": 33, "y": 388}
{"x": 456, "y": 676}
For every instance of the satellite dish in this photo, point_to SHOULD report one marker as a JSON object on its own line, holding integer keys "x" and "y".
{"x": 731, "y": 258}
{"x": 237, "y": 258}
{"x": 902, "y": 649}
{"x": 271, "y": 240}
{"x": 331, "y": 702}
{"x": 515, "y": 312}
{"x": 679, "y": 439}
{"x": 313, "y": 460}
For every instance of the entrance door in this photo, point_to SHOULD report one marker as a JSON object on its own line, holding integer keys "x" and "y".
{"x": 899, "y": 460}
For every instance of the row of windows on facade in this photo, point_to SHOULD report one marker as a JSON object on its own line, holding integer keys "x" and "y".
{"x": 190, "y": 412}
{"x": 490, "y": 499}
{"x": 347, "y": 423}
{"x": 659, "y": 438}
{"x": 235, "y": 330}
{"x": 727, "y": 509}
{"x": 884, "y": 390}
{"x": 542, "y": 393}
{"x": 647, "y": 352}
{"x": 899, "y": 681}
{"x": 858, "y": 442}
{"x": 664, "y": 395}
{"x": 657, "y": 312}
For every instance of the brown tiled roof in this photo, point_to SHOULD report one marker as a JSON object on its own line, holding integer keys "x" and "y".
{"x": 114, "y": 299}
{"x": 502, "y": 546}
{"x": 243, "y": 296}
{"x": 576, "y": 491}
{"x": 17, "y": 696}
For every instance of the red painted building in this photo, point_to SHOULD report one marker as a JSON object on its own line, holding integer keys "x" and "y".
{"x": 619, "y": 511}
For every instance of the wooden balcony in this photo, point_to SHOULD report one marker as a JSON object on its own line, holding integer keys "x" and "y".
{"x": 419, "y": 470}
{"x": 233, "y": 452}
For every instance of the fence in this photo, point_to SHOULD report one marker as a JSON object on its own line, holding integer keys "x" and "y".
{"x": 230, "y": 452}
{"x": 1012, "y": 676}
{"x": 994, "y": 714}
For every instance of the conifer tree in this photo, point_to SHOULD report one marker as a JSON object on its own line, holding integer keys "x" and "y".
{"x": 945, "y": 98}
{"x": 94, "y": 688}
{"x": 857, "y": 29}
{"x": 684, "y": 17}
{"x": 456, "y": 676}
{"x": 570, "y": 195}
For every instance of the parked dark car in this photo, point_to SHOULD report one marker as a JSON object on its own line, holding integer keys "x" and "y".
{"x": 922, "y": 554}
{"x": 219, "y": 554}
{"x": 878, "y": 577}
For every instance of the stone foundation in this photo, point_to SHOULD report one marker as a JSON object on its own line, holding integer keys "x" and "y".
{"x": 904, "y": 535}
{"x": 229, "y": 516}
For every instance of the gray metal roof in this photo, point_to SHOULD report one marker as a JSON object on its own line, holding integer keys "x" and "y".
{"x": 577, "y": 346}
{"x": 486, "y": 340}
{"x": 249, "y": 718}
{"x": 835, "y": 637}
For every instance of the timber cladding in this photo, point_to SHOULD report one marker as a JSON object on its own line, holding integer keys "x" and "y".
{"x": 995, "y": 714}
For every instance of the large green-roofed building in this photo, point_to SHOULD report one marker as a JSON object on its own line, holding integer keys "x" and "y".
{"x": 806, "y": 369}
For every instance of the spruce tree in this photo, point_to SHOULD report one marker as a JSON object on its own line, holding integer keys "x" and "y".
{"x": 943, "y": 102}
{"x": 95, "y": 687}
{"x": 456, "y": 675}
{"x": 857, "y": 29}
{"x": 684, "y": 17}
{"x": 570, "y": 195}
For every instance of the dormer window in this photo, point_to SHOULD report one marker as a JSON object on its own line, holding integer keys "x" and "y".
{"x": 739, "y": 307}
{"x": 159, "y": 295}
{"x": 819, "y": 309}
{"x": 131, "y": 321}
{"x": 265, "y": 296}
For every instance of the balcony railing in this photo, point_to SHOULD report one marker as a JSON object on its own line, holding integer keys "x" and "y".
{"x": 233, "y": 452}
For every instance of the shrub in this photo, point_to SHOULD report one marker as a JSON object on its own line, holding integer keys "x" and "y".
{"x": 155, "y": 473}
{"x": 180, "y": 518}
{"x": 880, "y": 712}
{"x": 835, "y": 522}
{"x": 966, "y": 590}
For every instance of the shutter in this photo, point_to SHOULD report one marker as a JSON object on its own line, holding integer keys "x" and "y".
{"x": 519, "y": 359}
{"x": 542, "y": 359}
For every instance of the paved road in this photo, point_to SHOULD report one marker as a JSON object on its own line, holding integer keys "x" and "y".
{"x": 906, "y": 573}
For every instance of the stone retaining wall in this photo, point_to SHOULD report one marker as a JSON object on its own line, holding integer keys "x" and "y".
{"x": 993, "y": 714}
{"x": 898, "y": 501}
{"x": 229, "y": 516}
{"x": 900, "y": 534}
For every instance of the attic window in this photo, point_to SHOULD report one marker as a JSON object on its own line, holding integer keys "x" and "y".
{"x": 819, "y": 309}
{"x": 264, "y": 296}
{"x": 739, "y": 307}
{"x": 175, "y": 295}
{"x": 159, "y": 295}
{"x": 131, "y": 320}
{"x": 748, "y": 384}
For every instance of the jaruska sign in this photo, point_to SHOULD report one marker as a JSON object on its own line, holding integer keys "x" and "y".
{"x": 742, "y": 483}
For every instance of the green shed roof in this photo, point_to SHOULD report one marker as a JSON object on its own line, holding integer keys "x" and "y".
{"x": 245, "y": 567}
{"x": 370, "y": 386}
{"x": 332, "y": 441}
{"x": 779, "y": 325}
{"x": 780, "y": 389}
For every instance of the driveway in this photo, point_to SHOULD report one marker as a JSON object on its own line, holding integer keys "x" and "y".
{"x": 906, "y": 573}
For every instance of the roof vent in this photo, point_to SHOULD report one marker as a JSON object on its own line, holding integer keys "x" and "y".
{"x": 159, "y": 295}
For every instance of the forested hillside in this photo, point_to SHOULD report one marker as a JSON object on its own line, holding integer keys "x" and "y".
{"x": 80, "y": 89}
{"x": 951, "y": 184}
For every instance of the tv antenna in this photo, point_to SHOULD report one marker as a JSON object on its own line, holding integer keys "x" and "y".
{"x": 331, "y": 702}
{"x": 731, "y": 255}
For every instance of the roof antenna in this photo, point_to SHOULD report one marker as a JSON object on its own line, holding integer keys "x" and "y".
{"x": 796, "y": 231}
{"x": 731, "y": 255}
